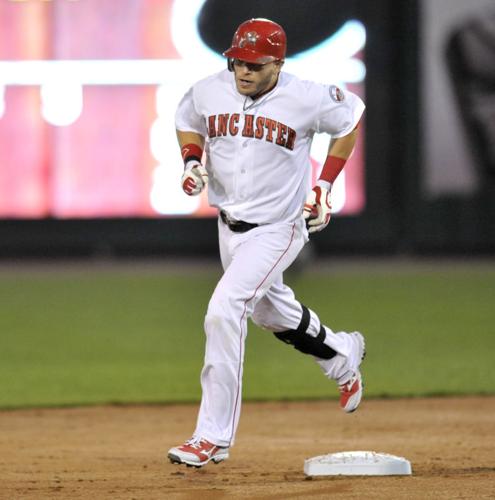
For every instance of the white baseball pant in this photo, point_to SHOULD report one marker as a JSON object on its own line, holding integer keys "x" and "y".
{"x": 251, "y": 286}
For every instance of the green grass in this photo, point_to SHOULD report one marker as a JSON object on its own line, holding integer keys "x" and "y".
{"x": 112, "y": 335}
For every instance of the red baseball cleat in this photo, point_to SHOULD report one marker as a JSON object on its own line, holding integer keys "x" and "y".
{"x": 197, "y": 452}
{"x": 351, "y": 393}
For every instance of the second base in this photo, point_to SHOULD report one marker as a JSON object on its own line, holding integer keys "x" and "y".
{"x": 357, "y": 463}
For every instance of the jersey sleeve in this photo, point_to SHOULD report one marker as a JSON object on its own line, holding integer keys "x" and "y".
{"x": 339, "y": 111}
{"x": 187, "y": 118}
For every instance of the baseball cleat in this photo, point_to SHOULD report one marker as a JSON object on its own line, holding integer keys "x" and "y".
{"x": 197, "y": 452}
{"x": 351, "y": 391}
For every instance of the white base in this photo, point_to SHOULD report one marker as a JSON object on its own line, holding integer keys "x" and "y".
{"x": 357, "y": 463}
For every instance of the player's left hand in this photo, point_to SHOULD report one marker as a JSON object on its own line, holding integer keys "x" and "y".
{"x": 317, "y": 209}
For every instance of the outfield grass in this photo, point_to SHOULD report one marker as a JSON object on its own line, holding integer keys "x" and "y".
{"x": 97, "y": 335}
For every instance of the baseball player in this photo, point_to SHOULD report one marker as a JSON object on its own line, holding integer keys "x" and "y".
{"x": 254, "y": 124}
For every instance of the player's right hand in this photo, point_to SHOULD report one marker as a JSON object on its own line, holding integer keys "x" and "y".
{"x": 194, "y": 179}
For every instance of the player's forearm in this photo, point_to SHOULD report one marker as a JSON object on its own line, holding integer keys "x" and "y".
{"x": 185, "y": 138}
{"x": 339, "y": 151}
{"x": 191, "y": 148}
{"x": 343, "y": 146}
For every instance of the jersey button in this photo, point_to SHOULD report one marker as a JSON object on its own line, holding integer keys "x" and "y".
{"x": 243, "y": 171}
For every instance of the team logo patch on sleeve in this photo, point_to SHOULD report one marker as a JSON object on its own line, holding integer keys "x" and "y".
{"x": 336, "y": 93}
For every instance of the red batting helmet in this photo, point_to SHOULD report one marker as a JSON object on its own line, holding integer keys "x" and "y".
{"x": 258, "y": 41}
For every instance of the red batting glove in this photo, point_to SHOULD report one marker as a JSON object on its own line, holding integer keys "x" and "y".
{"x": 194, "y": 179}
{"x": 317, "y": 209}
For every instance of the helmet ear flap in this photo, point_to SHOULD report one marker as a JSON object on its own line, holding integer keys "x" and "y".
{"x": 230, "y": 64}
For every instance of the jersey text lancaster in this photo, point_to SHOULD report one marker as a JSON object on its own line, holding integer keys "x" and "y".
{"x": 259, "y": 128}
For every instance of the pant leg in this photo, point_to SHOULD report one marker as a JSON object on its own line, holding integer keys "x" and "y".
{"x": 278, "y": 311}
{"x": 254, "y": 261}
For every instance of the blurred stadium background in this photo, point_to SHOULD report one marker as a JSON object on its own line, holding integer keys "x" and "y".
{"x": 106, "y": 268}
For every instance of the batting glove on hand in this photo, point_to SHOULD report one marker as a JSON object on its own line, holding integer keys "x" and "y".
{"x": 194, "y": 179}
{"x": 317, "y": 209}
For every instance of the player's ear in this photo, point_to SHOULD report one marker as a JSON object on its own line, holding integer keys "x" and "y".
{"x": 230, "y": 64}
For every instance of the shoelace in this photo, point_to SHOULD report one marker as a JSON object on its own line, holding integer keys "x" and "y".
{"x": 347, "y": 386}
{"x": 195, "y": 443}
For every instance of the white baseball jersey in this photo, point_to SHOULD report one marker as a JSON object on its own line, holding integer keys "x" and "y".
{"x": 257, "y": 151}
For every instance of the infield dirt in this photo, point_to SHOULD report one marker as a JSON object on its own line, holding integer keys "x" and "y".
{"x": 119, "y": 452}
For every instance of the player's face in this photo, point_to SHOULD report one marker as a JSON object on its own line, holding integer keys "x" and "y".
{"x": 253, "y": 79}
